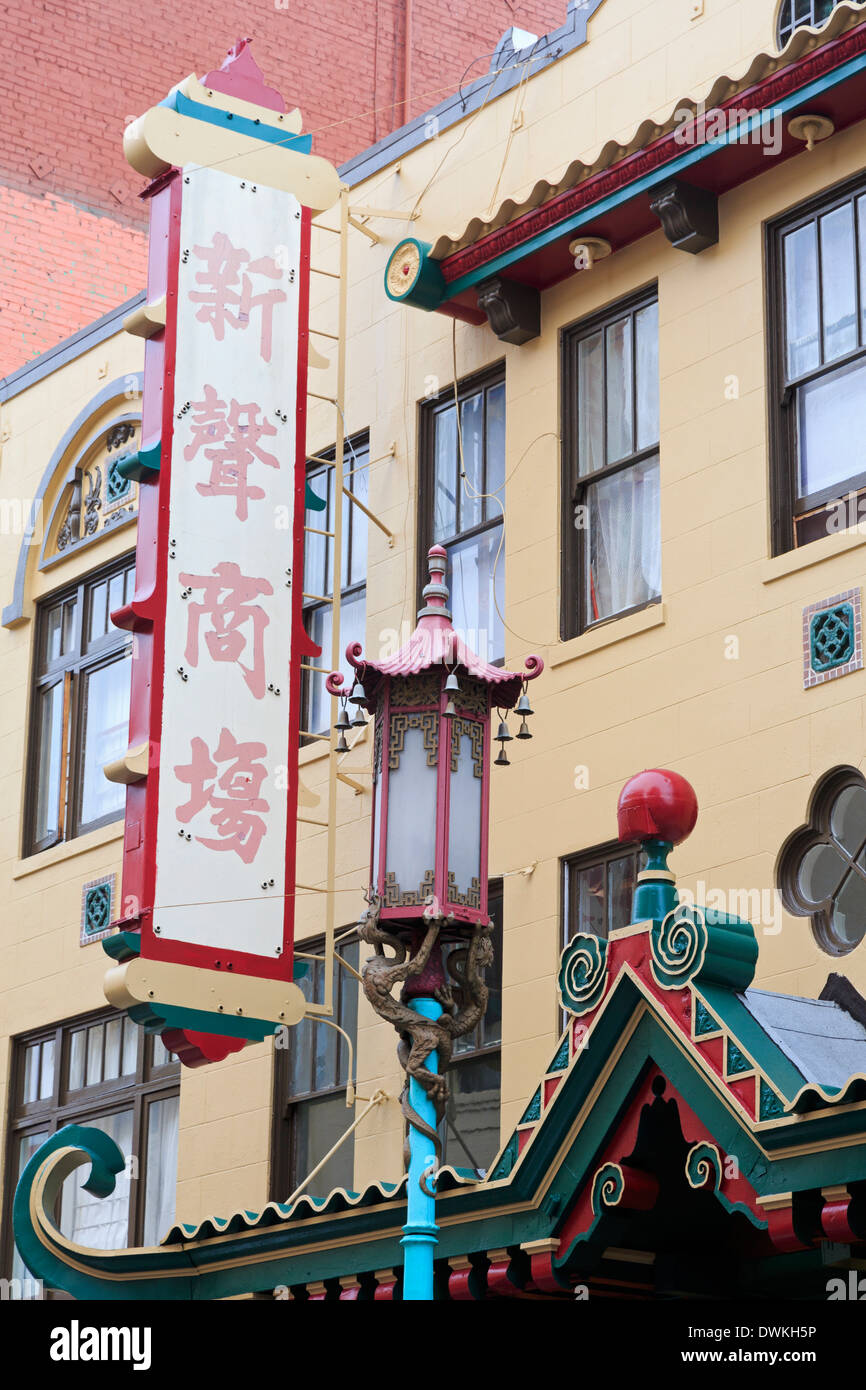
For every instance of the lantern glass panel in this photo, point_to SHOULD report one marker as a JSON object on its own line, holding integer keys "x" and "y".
{"x": 464, "y": 825}
{"x": 411, "y": 845}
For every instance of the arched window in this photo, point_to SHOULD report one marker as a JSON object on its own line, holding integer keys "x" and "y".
{"x": 794, "y": 14}
{"x": 821, "y": 870}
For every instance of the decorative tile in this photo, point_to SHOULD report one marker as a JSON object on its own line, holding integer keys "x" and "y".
{"x": 97, "y": 909}
{"x": 832, "y": 638}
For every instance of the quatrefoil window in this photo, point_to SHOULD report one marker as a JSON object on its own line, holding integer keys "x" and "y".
{"x": 821, "y": 870}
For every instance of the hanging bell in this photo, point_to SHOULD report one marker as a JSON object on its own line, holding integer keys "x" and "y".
{"x": 342, "y": 720}
{"x": 360, "y": 720}
{"x": 358, "y": 696}
{"x": 449, "y": 710}
{"x": 504, "y": 736}
{"x": 523, "y": 707}
{"x": 501, "y": 760}
{"x": 451, "y": 684}
{"x": 342, "y": 745}
{"x": 523, "y": 731}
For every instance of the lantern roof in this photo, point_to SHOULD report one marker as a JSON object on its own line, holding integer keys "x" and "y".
{"x": 435, "y": 642}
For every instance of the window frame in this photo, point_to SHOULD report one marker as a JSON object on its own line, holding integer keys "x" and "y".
{"x": 284, "y": 1174}
{"x": 484, "y": 1052}
{"x": 782, "y": 395}
{"x": 72, "y": 672}
{"x": 794, "y": 25}
{"x": 573, "y": 864}
{"x": 428, "y": 410}
{"x": 827, "y": 789}
{"x": 150, "y": 1083}
{"x": 574, "y": 618}
{"x": 322, "y": 465}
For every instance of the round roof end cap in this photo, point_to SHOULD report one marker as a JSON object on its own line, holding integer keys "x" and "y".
{"x": 657, "y": 805}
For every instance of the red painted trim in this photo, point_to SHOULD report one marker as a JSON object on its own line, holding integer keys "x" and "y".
{"x": 834, "y": 1222}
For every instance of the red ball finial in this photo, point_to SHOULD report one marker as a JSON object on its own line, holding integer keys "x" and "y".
{"x": 657, "y": 805}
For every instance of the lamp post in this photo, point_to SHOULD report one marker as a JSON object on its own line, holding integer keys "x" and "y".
{"x": 432, "y": 703}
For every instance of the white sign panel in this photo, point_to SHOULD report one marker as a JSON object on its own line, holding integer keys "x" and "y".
{"x": 224, "y": 754}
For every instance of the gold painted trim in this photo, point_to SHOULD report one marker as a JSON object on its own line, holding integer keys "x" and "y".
{"x": 153, "y": 982}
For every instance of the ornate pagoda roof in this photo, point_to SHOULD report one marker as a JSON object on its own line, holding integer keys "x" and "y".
{"x": 435, "y": 642}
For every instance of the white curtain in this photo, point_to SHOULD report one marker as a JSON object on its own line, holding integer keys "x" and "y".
{"x": 624, "y": 550}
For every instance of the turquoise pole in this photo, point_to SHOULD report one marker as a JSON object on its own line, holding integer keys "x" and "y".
{"x": 420, "y": 1232}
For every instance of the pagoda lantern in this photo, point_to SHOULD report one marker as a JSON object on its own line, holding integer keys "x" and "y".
{"x": 433, "y": 703}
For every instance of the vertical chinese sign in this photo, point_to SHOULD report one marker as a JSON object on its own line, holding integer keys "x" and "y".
{"x": 205, "y": 950}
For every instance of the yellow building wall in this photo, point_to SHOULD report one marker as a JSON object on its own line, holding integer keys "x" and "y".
{"x": 656, "y": 688}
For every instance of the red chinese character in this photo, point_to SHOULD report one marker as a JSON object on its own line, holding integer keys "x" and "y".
{"x": 228, "y": 298}
{"x": 227, "y": 602}
{"x": 236, "y": 817}
{"x": 233, "y": 436}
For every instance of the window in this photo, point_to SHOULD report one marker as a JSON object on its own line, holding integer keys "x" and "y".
{"x": 106, "y": 1072}
{"x": 80, "y": 714}
{"x": 598, "y": 889}
{"x": 793, "y": 14}
{"x": 310, "y": 1078}
{"x": 817, "y": 338}
{"x": 611, "y": 520}
{"x": 464, "y": 513}
{"x": 822, "y": 866}
{"x": 319, "y": 572}
{"x": 470, "y": 1128}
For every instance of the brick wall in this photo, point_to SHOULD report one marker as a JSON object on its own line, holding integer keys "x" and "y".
{"x": 79, "y": 73}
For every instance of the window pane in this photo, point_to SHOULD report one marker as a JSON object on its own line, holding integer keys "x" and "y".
{"x": 464, "y": 829}
{"x": 620, "y": 890}
{"x": 861, "y": 240}
{"x": 113, "y": 1032}
{"x": 445, "y": 474}
{"x": 50, "y": 736}
{"x": 472, "y": 1113}
{"x": 317, "y": 1125}
{"x": 130, "y": 1047}
{"x": 647, "y": 347}
{"x": 324, "y": 1056}
{"x": 353, "y": 611}
{"x": 849, "y": 912}
{"x": 471, "y": 584}
{"x": 53, "y": 626}
{"x": 620, "y": 402}
{"x": 847, "y": 820}
{"x": 348, "y": 1018}
{"x": 832, "y": 422}
{"x": 77, "y": 1045}
{"x": 410, "y": 848}
{"x": 27, "y": 1147}
{"x": 623, "y": 551}
{"x": 31, "y": 1074}
{"x": 46, "y": 1075}
{"x": 161, "y": 1169}
{"x": 801, "y": 300}
{"x": 98, "y": 612}
{"x": 316, "y": 547}
{"x": 590, "y": 404}
{"x": 115, "y": 597}
{"x": 101, "y": 1223}
{"x": 359, "y": 483}
{"x": 838, "y": 272}
{"x": 591, "y": 910}
{"x": 161, "y": 1057}
{"x": 472, "y": 433}
{"x": 106, "y": 731}
{"x": 495, "y": 448}
{"x": 94, "y": 1055}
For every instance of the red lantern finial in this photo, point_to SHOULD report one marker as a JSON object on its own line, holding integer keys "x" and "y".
{"x": 657, "y": 805}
